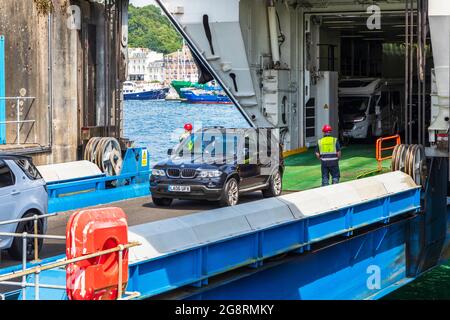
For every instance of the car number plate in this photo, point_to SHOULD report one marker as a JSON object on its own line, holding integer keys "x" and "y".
{"x": 180, "y": 188}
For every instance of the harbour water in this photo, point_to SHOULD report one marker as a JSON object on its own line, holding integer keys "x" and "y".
{"x": 158, "y": 124}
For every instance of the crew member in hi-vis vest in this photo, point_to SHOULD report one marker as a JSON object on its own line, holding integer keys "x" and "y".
{"x": 328, "y": 151}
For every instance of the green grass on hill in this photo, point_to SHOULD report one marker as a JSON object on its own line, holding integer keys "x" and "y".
{"x": 149, "y": 28}
{"x": 303, "y": 170}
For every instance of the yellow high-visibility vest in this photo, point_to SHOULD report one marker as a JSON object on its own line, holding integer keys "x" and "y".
{"x": 327, "y": 148}
{"x": 190, "y": 144}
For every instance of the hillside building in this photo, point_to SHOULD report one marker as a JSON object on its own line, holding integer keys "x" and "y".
{"x": 141, "y": 64}
{"x": 180, "y": 65}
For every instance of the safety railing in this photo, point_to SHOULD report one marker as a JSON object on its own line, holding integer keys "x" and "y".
{"x": 379, "y": 154}
{"x": 380, "y": 148}
{"x": 17, "y": 122}
{"x": 36, "y": 270}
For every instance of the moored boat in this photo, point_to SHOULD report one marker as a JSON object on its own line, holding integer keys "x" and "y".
{"x": 131, "y": 92}
{"x": 179, "y": 85}
{"x": 206, "y": 96}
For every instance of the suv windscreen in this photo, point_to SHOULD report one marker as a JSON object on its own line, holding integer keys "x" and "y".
{"x": 213, "y": 144}
{"x": 353, "y": 105}
{"x": 6, "y": 175}
{"x": 29, "y": 169}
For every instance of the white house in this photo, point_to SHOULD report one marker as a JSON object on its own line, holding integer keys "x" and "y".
{"x": 140, "y": 64}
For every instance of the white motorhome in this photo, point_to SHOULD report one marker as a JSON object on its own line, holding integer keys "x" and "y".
{"x": 370, "y": 107}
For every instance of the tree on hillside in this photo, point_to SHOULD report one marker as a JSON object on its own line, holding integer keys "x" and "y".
{"x": 148, "y": 28}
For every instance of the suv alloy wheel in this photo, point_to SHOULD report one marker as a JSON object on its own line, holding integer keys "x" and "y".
{"x": 275, "y": 185}
{"x": 230, "y": 193}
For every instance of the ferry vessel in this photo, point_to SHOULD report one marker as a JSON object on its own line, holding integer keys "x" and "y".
{"x": 278, "y": 62}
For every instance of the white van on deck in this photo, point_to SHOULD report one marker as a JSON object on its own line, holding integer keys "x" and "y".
{"x": 370, "y": 107}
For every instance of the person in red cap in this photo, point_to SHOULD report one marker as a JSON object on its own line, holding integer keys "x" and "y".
{"x": 187, "y": 131}
{"x": 186, "y": 134}
{"x": 328, "y": 151}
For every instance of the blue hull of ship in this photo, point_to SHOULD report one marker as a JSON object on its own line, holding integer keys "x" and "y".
{"x": 159, "y": 94}
{"x": 206, "y": 98}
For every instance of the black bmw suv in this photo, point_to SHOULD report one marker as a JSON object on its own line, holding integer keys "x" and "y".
{"x": 219, "y": 164}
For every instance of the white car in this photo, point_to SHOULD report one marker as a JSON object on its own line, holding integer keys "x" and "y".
{"x": 23, "y": 194}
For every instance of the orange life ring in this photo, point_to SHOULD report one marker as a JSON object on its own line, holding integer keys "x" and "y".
{"x": 87, "y": 232}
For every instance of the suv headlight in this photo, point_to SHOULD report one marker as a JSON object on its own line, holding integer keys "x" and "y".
{"x": 210, "y": 173}
{"x": 158, "y": 172}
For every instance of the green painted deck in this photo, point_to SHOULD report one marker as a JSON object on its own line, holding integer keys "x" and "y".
{"x": 303, "y": 170}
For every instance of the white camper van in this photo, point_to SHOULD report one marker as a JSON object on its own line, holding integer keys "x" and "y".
{"x": 370, "y": 107}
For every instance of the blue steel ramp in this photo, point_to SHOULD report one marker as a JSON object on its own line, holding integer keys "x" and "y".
{"x": 81, "y": 184}
{"x": 190, "y": 250}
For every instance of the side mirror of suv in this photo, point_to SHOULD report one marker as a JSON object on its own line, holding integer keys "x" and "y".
{"x": 169, "y": 152}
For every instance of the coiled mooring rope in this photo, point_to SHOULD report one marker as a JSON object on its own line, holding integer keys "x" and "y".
{"x": 410, "y": 159}
{"x": 106, "y": 153}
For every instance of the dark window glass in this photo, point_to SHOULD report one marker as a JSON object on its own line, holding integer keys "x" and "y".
{"x": 6, "y": 176}
{"x": 29, "y": 169}
{"x": 373, "y": 102}
{"x": 353, "y": 105}
{"x": 251, "y": 143}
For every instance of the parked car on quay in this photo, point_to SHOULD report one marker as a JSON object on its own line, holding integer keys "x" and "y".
{"x": 23, "y": 194}
{"x": 234, "y": 171}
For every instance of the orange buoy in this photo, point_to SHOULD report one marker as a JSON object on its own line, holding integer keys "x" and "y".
{"x": 88, "y": 232}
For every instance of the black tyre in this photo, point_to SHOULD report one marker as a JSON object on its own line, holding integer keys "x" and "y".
{"x": 230, "y": 195}
{"x": 275, "y": 185}
{"x": 162, "y": 202}
{"x": 16, "y": 249}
